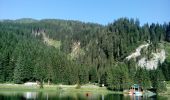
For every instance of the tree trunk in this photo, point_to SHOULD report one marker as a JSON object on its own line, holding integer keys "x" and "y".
{"x": 48, "y": 82}
{"x": 41, "y": 83}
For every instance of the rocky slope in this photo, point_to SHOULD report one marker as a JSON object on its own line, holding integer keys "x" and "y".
{"x": 152, "y": 63}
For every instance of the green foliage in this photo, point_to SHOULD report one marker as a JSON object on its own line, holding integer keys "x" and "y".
{"x": 78, "y": 86}
{"x": 158, "y": 80}
{"x": 118, "y": 78}
{"x": 18, "y": 71}
{"x": 165, "y": 67}
{"x": 142, "y": 78}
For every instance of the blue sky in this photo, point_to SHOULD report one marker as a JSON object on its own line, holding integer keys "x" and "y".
{"x": 97, "y": 11}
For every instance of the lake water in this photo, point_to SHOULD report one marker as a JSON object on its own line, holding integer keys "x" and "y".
{"x": 72, "y": 96}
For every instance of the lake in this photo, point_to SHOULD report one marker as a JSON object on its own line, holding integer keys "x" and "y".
{"x": 72, "y": 96}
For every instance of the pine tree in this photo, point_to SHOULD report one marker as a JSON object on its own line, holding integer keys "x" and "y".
{"x": 18, "y": 71}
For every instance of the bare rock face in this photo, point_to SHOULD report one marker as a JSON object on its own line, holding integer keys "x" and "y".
{"x": 157, "y": 57}
{"x": 76, "y": 51}
{"x": 137, "y": 53}
{"x": 46, "y": 39}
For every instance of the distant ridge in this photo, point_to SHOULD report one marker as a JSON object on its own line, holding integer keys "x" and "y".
{"x": 26, "y": 20}
{"x": 21, "y": 20}
{"x": 50, "y": 20}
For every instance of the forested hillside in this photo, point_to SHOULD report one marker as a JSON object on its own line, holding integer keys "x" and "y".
{"x": 73, "y": 52}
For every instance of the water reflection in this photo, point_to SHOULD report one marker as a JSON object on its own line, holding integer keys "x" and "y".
{"x": 72, "y": 96}
{"x": 30, "y": 95}
{"x": 133, "y": 97}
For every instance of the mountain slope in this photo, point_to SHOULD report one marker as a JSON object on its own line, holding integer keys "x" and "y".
{"x": 70, "y": 52}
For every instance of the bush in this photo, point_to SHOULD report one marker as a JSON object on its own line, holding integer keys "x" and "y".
{"x": 78, "y": 86}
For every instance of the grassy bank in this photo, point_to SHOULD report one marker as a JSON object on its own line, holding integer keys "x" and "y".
{"x": 87, "y": 88}
{"x": 21, "y": 87}
{"x": 55, "y": 88}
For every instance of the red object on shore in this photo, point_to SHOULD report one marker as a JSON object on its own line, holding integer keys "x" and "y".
{"x": 87, "y": 94}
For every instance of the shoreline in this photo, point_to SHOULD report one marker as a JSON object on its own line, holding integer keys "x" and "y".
{"x": 88, "y": 88}
{"x": 56, "y": 88}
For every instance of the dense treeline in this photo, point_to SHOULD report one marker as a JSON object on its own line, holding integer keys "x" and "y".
{"x": 97, "y": 52}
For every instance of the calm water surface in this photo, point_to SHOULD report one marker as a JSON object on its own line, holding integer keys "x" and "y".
{"x": 72, "y": 96}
